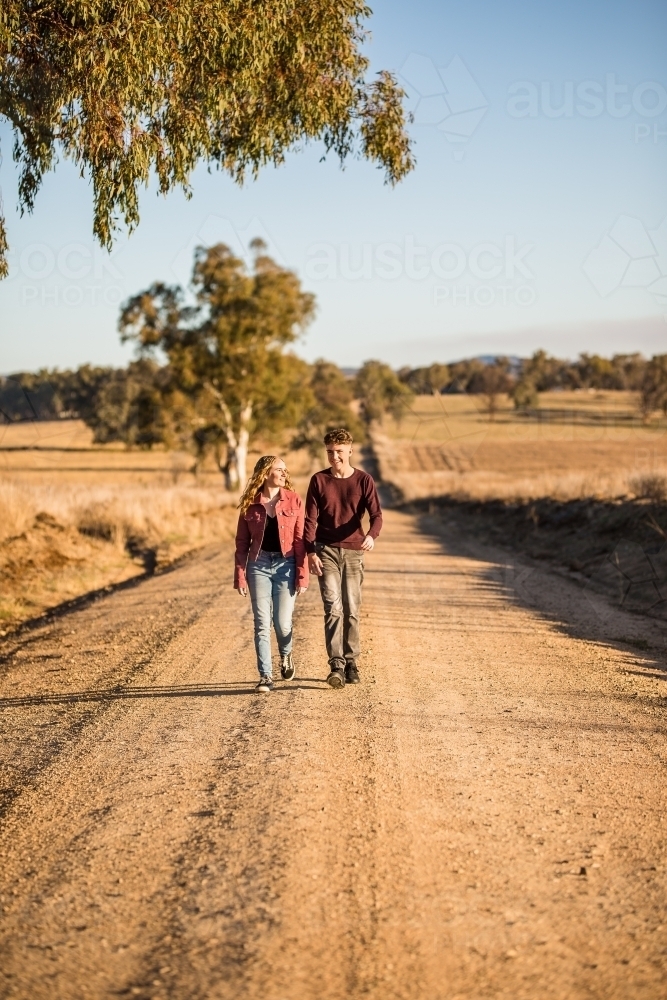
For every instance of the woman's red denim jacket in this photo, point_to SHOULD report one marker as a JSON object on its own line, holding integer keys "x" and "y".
{"x": 250, "y": 532}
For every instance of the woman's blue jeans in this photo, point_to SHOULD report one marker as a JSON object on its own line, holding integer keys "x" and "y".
{"x": 271, "y": 582}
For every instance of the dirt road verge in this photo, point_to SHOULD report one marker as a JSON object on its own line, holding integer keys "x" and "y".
{"x": 614, "y": 549}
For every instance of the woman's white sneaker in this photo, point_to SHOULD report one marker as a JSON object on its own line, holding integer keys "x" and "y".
{"x": 287, "y": 667}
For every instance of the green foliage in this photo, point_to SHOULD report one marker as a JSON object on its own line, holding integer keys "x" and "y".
{"x": 226, "y": 353}
{"x": 596, "y": 372}
{"x": 380, "y": 391}
{"x": 590, "y": 371}
{"x": 524, "y": 395}
{"x": 653, "y": 388}
{"x": 463, "y": 374}
{"x": 492, "y": 381}
{"x": 422, "y": 381}
{"x": 331, "y": 394}
{"x": 128, "y": 88}
{"x": 129, "y": 407}
{"x": 50, "y": 394}
{"x": 119, "y": 404}
{"x": 549, "y": 373}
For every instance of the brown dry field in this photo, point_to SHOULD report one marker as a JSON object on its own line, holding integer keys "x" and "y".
{"x": 60, "y": 452}
{"x": 482, "y": 817}
{"x": 588, "y": 444}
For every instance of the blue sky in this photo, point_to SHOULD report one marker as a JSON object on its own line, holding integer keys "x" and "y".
{"x": 537, "y": 223}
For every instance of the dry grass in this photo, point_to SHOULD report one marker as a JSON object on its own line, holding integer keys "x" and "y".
{"x": 75, "y": 516}
{"x": 114, "y": 514}
{"x": 580, "y": 444}
{"x": 60, "y": 541}
{"x": 650, "y": 487}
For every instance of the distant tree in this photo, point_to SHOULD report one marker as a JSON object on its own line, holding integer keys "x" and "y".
{"x": 53, "y": 394}
{"x": 492, "y": 381}
{"x": 653, "y": 388}
{"x": 27, "y": 396}
{"x": 546, "y": 373}
{"x": 132, "y": 90}
{"x": 524, "y": 395}
{"x": 426, "y": 381}
{"x": 226, "y": 352}
{"x": 129, "y": 406}
{"x": 463, "y": 374}
{"x": 78, "y": 391}
{"x": 380, "y": 391}
{"x": 630, "y": 368}
{"x": 331, "y": 399}
{"x": 596, "y": 372}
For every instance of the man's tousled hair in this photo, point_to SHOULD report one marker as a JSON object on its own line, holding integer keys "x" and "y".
{"x": 338, "y": 435}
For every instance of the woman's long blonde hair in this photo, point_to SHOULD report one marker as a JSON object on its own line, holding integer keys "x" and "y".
{"x": 257, "y": 480}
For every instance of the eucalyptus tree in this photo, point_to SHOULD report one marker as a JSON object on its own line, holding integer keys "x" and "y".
{"x": 229, "y": 373}
{"x": 331, "y": 406}
{"x": 653, "y": 387}
{"x": 380, "y": 391}
{"x": 128, "y": 89}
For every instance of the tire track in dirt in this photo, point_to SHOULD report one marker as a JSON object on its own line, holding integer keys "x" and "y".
{"x": 422, "y": 835}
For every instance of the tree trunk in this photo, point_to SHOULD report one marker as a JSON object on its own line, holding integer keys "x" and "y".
{"x": 235, "y": 468}
{"x": 230, "y": 469}
{"x": 243, "y": 441}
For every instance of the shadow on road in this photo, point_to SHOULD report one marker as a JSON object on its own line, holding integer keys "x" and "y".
{"x": 171, "y": 691}
{"x": 571, "y": 605}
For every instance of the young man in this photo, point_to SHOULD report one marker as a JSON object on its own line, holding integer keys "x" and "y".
{"x": 335, "y": 542}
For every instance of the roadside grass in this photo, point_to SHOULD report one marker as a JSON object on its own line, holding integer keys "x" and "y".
{"x": 60, "y": 541}
{"x": 76, "y": 517}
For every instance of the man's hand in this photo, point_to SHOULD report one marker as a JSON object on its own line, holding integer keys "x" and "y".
{"x": 301, "y": 590}
{"x": 368, "y": 544}
{"x": 242, "y": 591}
{"x": 315, "y": 564}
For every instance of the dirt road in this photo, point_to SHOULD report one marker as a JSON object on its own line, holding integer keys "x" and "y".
{"x": 484, "y": 816}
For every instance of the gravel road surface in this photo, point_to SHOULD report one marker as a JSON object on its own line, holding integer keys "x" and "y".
{"x": 484, "y": 816}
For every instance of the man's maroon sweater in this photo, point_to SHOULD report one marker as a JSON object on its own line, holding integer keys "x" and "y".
{"x": 334, "y": 508}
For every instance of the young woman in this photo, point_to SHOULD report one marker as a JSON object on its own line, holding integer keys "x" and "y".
{"x": 270, "y": 561}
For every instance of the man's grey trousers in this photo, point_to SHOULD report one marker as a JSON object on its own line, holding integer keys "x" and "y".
{"x": 340, "y": 586}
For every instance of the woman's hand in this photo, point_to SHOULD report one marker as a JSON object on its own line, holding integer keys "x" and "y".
{"x": 242, "y": 591}
{"x": 301, "y": 590}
